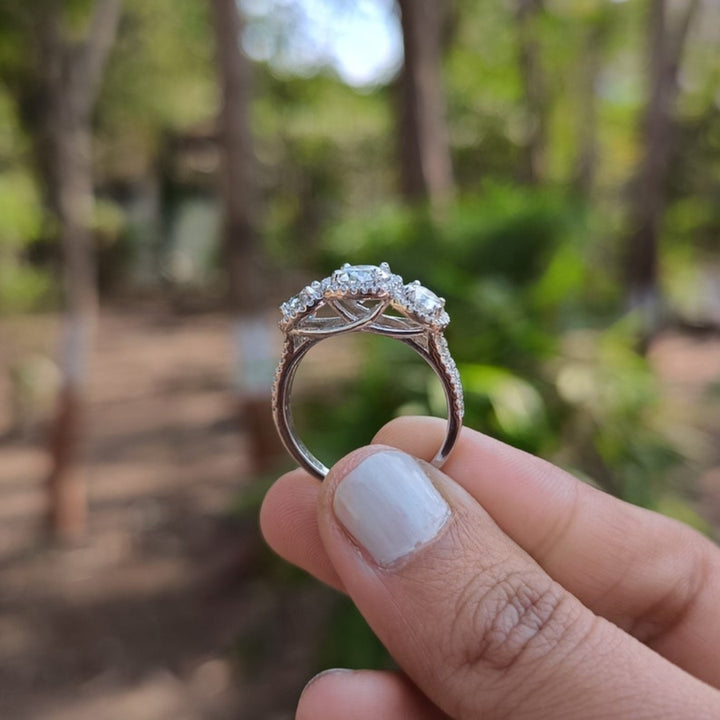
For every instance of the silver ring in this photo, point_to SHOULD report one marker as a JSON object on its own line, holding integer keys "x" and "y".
{"x": 355, "y": 298}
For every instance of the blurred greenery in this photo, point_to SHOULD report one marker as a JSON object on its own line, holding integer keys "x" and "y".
{"x": 22, "y": 286}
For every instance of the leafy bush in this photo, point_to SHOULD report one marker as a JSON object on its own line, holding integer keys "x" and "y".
{"x": 22, "y": 287}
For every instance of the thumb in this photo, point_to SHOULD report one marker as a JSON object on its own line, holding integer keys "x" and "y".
{"x": 474, "y": 621}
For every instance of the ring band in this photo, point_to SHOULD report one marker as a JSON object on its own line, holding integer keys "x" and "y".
{"x": 355, "y": 298}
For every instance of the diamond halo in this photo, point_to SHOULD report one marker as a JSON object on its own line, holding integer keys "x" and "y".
{"x": 368, "y": 282}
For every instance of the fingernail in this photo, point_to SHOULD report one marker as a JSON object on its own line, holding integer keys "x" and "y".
{"x": 388, "y": 504}
{"x": 330, "y": 671}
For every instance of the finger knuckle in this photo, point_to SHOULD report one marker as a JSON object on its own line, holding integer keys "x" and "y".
{"x": 514, "y": 619}
{"x": 683, "y": 573}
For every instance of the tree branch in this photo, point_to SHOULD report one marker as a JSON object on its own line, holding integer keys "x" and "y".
{"x": 535, "y": 87}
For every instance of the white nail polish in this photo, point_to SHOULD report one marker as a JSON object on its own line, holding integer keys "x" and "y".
{"x": 388, "y": 504}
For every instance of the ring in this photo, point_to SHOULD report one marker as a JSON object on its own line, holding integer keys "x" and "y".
{"x": 358, "y": 298}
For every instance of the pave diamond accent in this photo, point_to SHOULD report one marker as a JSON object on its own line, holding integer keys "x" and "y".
{"x": 452, "y": 372}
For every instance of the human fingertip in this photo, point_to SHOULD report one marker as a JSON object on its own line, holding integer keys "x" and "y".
{"x": 325, "y": 673}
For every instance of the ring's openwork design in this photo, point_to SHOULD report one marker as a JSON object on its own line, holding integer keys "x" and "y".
{"x": 360, "y": 298}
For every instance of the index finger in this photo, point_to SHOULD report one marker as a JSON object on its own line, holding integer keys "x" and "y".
{"x": 654, "y": 577}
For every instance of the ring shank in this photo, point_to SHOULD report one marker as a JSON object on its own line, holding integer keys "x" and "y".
{"x": 426, "y": 346}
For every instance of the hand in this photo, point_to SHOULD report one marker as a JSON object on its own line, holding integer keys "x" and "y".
{"x": 502, "y": 586}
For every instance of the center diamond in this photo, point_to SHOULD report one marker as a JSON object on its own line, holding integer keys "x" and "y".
{"x": 363, "y": 275}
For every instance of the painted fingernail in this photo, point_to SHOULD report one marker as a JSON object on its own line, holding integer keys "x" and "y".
{"x": 388, "y": 504}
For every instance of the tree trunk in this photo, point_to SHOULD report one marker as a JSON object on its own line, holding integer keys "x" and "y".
{"x": 67, "y": 502}
{"x": 666, "y": 43}
{"x": 589, "y": 76}
{"x": 426, "y": 167}
{"x": 528, "y": 14}
{"x": 74, "y": 70}
{"x": 254, "y": 359}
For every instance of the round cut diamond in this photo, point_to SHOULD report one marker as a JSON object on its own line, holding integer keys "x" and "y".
{"x": 295, "y": 304}
{"x": 424, "y": 301}
{"x": 299, "y": 303}
{"x": 309, "y": 295}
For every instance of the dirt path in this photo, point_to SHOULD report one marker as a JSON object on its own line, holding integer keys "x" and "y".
{"x": 689, "y": 372}
{"x": 166, "y": 610}
{"x": 144, "y": 619}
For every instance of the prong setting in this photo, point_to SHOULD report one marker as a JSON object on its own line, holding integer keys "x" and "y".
{"x": 372, "y": 282}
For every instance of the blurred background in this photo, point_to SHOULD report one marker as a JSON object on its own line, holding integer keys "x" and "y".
{"x": 171, "y": 170}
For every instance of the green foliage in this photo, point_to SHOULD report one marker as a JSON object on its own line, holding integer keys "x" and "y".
{"x": 350, "y": 643}
{"x": 12, "y": 142}
{"x": 347, "y": 414}
{"x": 486, "y": 256}
{"x": 516, "y": 408}
{"x": 160, "y": 78}
{"x": 508, "y": 233}
{"x": 20, "y": 210}
{"x": 614, "y": 430}
{"x": 324, "y": 149}
{"x": 22, "y": 287}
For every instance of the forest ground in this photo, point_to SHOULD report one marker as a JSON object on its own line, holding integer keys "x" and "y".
{"x": 164, "y": 611}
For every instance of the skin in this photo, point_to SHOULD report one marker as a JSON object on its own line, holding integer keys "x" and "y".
{"x": 542, "y": 597}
